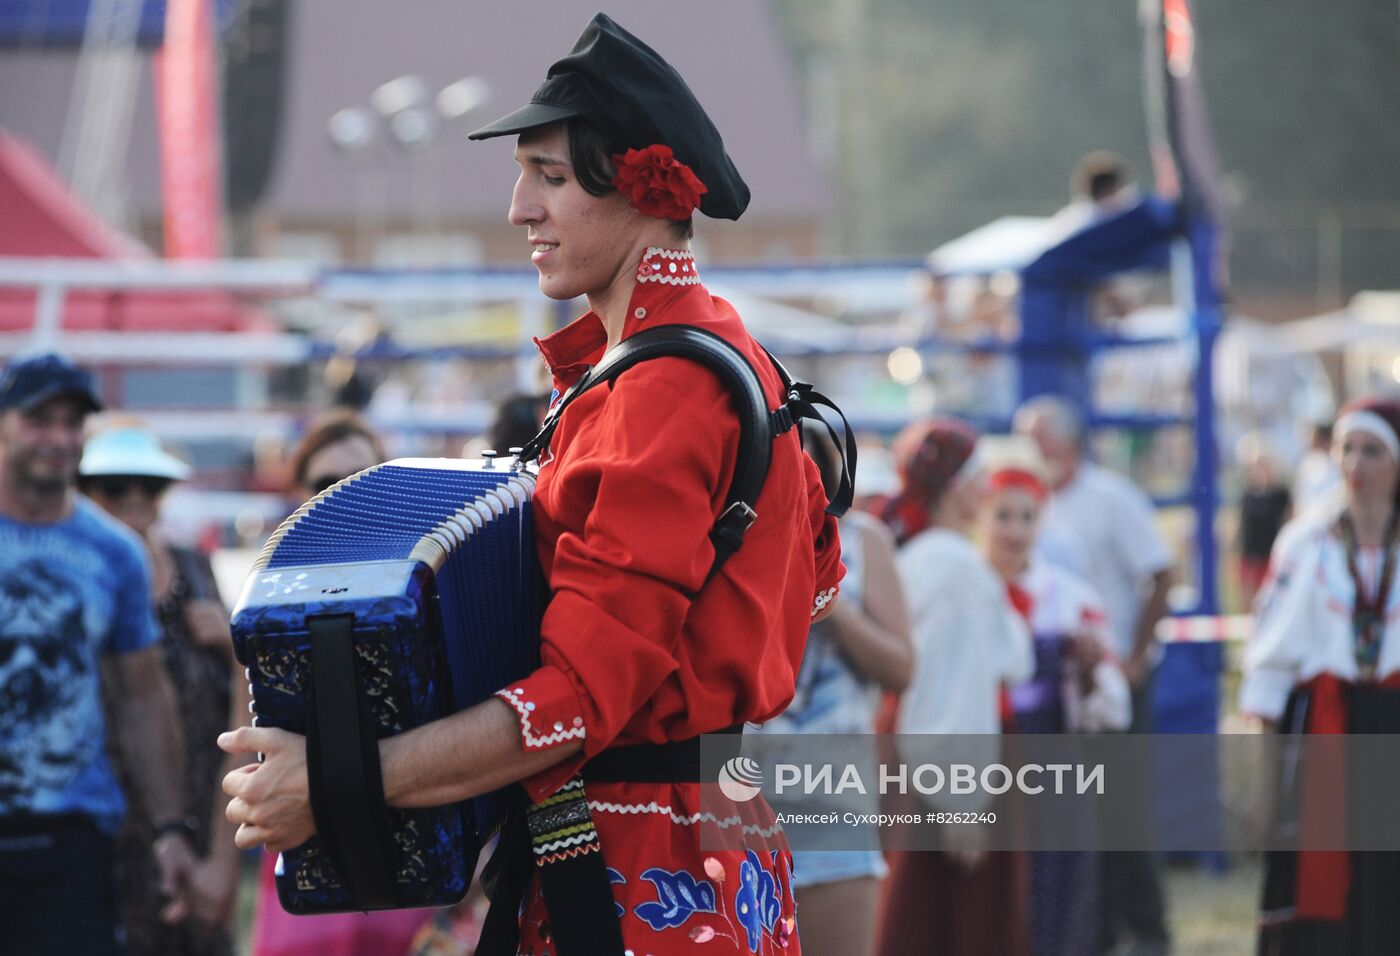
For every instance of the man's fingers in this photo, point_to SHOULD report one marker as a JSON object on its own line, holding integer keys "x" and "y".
{"x": 238, "y": 811}
{"x": 268, "y": 800}
{"x": 236, "y": 781}
{"x": 250, "y": 837}
{"x": 248, "y": 740}
{"x": 263, "y": 740}
{"x": 250, "y": 834}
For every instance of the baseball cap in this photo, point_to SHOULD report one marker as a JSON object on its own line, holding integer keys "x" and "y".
{"x": 29, "y": 382}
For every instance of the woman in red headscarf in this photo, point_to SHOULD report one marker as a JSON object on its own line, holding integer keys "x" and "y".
{"x": 1078, "y": 686}
{"x": 1325, "y": 659}
{"x": 969, "y": 643}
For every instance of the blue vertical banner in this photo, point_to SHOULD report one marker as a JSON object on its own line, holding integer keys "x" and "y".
{"x": 1178, "y": 125}
{"x": 1184, "y": 159}
{"x": 60, "y": 23}
{"x": 1187, "y": 169}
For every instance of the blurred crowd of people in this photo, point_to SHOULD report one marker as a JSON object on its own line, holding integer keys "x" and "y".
{"x": 117, "y": 675}
{"x": 1009, "y": 585}
{"x": 998, "y": 541}
{"x": 1033, "y": 581}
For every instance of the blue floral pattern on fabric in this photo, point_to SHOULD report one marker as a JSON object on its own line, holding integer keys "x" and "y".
{"x": 782, "y": 869}
{"x": 679, "y": 895}
{"x": 616, "y": 877}
{"x": 756, "y": 901}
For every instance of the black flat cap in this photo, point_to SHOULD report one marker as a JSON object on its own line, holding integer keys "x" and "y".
{"x": 625, "y": 90}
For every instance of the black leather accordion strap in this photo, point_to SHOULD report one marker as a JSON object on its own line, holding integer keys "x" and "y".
{"x": 574, "y": 878}
{"x": 802, "y": 404}
{"x": 558, "y": 834}
{"x": 758, "y": 427}
{"x": 751, "y": 405}
{"x": 342, "y": 763}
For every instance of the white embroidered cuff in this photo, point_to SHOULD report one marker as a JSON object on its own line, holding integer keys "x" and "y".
{"x": 547, "y": 707}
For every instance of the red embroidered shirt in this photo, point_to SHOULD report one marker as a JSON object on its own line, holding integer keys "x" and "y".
{"x": 629, "y": 490}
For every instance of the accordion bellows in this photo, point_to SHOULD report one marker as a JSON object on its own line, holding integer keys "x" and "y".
{"x": 434, "y": 559}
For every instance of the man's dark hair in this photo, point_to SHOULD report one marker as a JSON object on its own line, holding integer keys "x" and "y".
{"x": 1099, "y": 175}
{"x": 593, "y": 167}
{"x": 517, "y": 420}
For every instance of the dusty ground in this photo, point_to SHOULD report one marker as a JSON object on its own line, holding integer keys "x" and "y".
{"x": 1213, "y": 915}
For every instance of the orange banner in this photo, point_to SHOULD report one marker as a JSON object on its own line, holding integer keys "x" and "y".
{"x": 188, "y": 109}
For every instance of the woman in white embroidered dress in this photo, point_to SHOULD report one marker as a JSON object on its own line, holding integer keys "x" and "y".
{"x": 1078, "y": 686}
{"x": 1325, "y": 658}
{"x": 969, "y": 643}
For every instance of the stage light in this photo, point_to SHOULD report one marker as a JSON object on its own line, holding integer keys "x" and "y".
{"x": 456, "y": 100}
{"x": 351, "y": 128}
{"x": 399, "y": 94}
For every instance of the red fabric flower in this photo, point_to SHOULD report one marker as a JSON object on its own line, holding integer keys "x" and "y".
{"x": 657, "y": 184}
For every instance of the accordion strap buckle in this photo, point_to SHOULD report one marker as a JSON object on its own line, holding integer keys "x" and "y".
{"x": 735, "y": 521}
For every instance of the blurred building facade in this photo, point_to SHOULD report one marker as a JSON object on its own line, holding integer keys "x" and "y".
{"x": 415, "y": 191}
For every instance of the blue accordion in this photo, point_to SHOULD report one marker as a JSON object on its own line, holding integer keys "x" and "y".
{"x": 401, "y": 595}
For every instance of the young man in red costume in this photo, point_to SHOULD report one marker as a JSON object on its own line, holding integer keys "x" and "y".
{"x": 638, "y": 647}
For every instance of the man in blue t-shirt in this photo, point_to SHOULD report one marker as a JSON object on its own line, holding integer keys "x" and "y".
{"x": 74, "y": 597}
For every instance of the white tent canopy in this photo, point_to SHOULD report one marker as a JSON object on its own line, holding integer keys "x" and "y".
{"x": 1372, "y": 318}
{"x": 1007, "y": 244}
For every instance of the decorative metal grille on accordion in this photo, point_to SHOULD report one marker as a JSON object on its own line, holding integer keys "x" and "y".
{"x": 432, "y": 564}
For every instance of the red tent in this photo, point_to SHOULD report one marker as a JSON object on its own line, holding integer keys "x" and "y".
{"x": 40, "y": 217}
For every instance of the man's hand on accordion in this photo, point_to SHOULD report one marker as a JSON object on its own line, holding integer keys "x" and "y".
{"x": 454, "y": 758}
{"x": 269, "y": 801}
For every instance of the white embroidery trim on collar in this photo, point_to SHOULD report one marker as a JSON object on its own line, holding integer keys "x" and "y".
{"x": 668, "y": 266}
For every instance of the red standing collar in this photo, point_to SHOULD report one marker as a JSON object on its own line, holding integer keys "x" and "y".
{"x": 664, "y": 276}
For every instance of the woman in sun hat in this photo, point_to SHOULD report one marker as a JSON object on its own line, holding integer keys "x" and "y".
{"x": 643, "y": 650}
{"x": 126, "y": 472}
